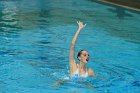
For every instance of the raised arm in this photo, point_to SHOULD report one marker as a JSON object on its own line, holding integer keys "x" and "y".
{"x": 73, "y": 65}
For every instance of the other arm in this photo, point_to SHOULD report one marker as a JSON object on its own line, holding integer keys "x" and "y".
{"x": 92, "y": 74}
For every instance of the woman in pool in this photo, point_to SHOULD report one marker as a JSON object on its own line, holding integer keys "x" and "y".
{"x": 79, "y": 70}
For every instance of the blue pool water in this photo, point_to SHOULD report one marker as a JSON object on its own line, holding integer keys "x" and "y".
{"x": 35, "y": 38}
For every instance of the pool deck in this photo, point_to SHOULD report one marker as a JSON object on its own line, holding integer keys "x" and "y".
{"x": 129, "y": 4}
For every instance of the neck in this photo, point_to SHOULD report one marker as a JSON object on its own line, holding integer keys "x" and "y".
{"x": 81, "y": 65}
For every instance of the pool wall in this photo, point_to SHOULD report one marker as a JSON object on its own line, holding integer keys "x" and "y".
{"x": 131, "y": 4}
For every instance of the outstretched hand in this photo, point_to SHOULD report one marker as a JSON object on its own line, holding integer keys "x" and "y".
{"x": 81, "y": 25}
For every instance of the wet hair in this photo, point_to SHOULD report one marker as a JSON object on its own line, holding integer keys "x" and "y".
{"x": 79, "y": 53}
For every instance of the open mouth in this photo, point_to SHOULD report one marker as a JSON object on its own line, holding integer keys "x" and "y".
{"x": 87, "y": 59}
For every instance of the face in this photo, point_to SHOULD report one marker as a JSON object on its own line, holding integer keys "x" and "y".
{"x": 84, "y": 57}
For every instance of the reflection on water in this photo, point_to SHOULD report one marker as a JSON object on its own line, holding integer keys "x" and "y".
{"x": 126, "y": 26}
{"x": 8, "y": 21}
{"x": 121, "y": 14}
{"x": 41, "y": 14}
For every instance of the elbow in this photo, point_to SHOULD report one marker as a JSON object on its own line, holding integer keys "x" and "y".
{"x": 72, "y": 44}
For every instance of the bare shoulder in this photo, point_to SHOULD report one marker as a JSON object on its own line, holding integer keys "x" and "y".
{"x": 91, "y": 72}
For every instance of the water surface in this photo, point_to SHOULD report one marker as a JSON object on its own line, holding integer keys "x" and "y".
{"x": 35, "y": 39}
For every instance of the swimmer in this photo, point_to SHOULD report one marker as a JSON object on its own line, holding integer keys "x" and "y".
{"x": 79, "y": 70}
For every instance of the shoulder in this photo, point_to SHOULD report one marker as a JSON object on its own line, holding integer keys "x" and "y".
{"x": 90, "y": 72}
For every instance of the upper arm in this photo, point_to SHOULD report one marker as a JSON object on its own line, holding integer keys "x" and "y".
{"x": 72, "y": 62}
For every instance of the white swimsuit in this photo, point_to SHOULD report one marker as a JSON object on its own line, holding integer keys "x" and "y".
{"x": 77, "y": 75}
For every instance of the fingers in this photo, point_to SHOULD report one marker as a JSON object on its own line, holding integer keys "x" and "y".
{"x": 79, "y": 22}
{"x": 85, "y": 25}
{"x": 81, "y": 25}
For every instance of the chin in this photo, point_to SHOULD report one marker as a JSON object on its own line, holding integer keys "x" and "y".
{"x": 86, "y": 62}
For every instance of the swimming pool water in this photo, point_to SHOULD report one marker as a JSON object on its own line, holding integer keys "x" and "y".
{"x": 35, "y": 39}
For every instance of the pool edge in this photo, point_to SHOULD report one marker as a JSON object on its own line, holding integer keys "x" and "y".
{"x": 124, "y": 6}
